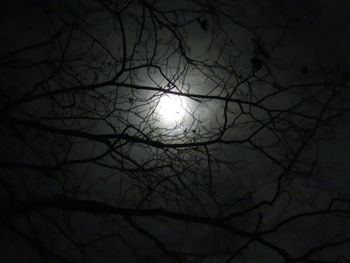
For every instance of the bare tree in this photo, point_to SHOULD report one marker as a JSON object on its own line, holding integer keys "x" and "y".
{"x": 170, "y": 131}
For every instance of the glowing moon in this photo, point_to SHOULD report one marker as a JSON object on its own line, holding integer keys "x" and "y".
{"x": 171, "y": 108}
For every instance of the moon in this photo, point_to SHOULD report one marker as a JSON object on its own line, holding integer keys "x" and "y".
{"x": 172, "y": 108}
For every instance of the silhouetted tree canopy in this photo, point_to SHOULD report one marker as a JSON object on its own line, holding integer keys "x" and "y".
{"x": 173, "y": 131}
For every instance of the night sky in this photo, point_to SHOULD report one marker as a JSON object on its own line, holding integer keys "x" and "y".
{"x": 174, "y": 131}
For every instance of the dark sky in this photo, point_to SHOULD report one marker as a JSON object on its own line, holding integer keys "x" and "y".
{"x": 256, "y": 171}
